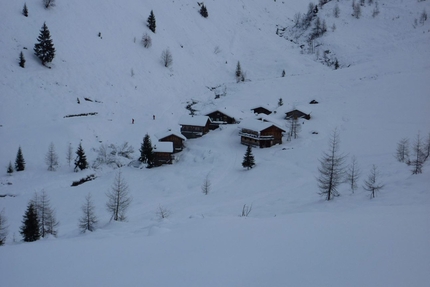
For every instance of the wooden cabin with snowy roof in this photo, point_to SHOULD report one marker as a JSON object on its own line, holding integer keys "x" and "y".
{"x": 171, "y": 136}
{"x": 260, "y": 133}
{"x": 194, "y": 126}
{"x": 261, "y": 110}
{"x": 298, "y": 113}
{"x": 162, "y": 153}
{"x": 223, "y": 117}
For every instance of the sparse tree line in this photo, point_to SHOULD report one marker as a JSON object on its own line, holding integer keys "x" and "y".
{"x": 39, "y": 220}
{"x": 420, "y": 152}
{"x": 333, "y": 171}
{"x": 44, "y": 49}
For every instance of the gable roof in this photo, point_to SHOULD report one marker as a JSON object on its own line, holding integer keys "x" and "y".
{"x": 267, "y": 108}
{"x": 199, "y": 121}
{"x": 228, "y": 111}
{"x": 163, "y": 147}
{"x": 258, "y": 125}
{"x": 167, "y": 133}
{"x": 302, "y": 109}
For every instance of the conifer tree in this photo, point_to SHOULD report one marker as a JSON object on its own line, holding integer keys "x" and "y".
{"x": 372, "y": 183}
{"x": 238, "y": 72}
{"x": 146, "y": 151}
{"x": 352, "y": 174}
{"x": 19, "y": 161}
{"x": 45, "y": 214}
{"x": 248, "y": 159}
{"x": 25, "y": 10}
{"x": 10, "y": 168}
{"x": 81, "y": 159}
{"x": 51, "y": 158}
{"x": 21, "y": 60}
{"x": 204, "y": 11}
{"x": 30, "y": 224}
{"x": 44, "y": 49}
{"x": 151, "y": 22}
{"x": 88, "y": 219}
{"x": 332, "y": 169}
{"x": 69, "y": 154}
{"x": 118, "y": 198}
{"x": 3, "y": 228}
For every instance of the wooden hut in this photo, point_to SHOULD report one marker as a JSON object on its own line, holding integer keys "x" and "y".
{"x": 162, "y": 153}
{"x": 194, "y": 126}
{"x": 175, "y": 137}
{"x": 260, "y": 133}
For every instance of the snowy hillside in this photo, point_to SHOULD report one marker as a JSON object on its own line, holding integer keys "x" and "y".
{"x": 292, "y": 236}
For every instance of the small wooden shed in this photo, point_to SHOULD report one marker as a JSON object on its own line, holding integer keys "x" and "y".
{"x": 162, "y": 153}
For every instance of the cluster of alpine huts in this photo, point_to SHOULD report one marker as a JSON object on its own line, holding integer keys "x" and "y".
{"x": 259, "y": 129}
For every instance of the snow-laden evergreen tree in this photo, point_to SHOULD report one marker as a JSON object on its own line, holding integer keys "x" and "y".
{"x": 372, "y": 183}
{"x": 51, "y": 158}
{"x": 248, "y": 159}
{"x": 10, "y": 168}
{"x": 151, "y": 23}
{"x": 332, "y": 169}
{"x": 19, "y": 161}
{"x": 46, "y": 214}
{"x": 146, "y": 151}
{"x": 118, "y": 198}
{"x": 204, "y": 11}
{"x": 81, "y": 159}
{"x": 88, "y": 220}
{"x": 30, "y": 225}
{"x": 25, "y": 10}
{"x": 3, "y": 227}
{"x": 44, "y": 49}
{"x": 21, "y": 60}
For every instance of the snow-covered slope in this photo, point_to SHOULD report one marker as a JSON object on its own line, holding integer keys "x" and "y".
{"x": 292, "y": 236}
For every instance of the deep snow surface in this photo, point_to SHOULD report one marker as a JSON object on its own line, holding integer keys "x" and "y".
{"x": 292, "y": 237}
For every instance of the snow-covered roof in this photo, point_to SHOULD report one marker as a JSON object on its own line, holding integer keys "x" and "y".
{"x": 199, "y": 121}
{"x": 257, "y": 125}
{"x": 163, "y": 147}
{"x": 169, "y": 132}
{"x": 302, "y": 108}
{"x": 228, "y": 111}
{"x": 267, "y": 118}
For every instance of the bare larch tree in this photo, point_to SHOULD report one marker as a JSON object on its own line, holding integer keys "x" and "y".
{"x": 331, "y": 171}
{"x": 118, "y": 198}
